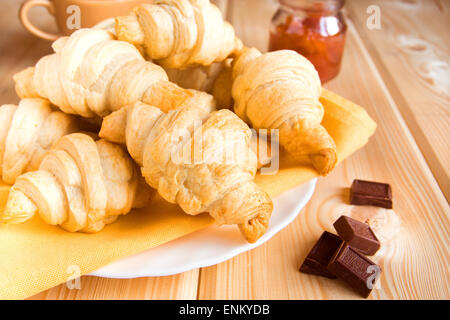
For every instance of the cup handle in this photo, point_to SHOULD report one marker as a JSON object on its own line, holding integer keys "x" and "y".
{"x": 23, "y": 14}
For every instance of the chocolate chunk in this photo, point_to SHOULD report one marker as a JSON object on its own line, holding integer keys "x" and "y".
{"x": 320, "y": 255}
{"x": 357, "y": 234}
{"x": 371, "y": 193}
{"x": 355, "y": 269}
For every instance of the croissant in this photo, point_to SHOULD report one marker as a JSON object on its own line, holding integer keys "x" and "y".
{"x": 281, "y": 90}
{"x": 27, "y": 132}
{"x": 179, "y": 33}
{"x": 196, "y": 158}
{"x": 81, "y": 185}
{"x": 91, "y": 74}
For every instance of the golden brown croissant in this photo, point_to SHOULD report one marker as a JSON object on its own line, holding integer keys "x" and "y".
{"x": 91, "y": 74}
{"x": 281, "y": 90}
{"x": 179, "y": 33}
{"x": 27, "y": 132}
{"x": 197, "y": 158}
{"x": 81, "y": 185}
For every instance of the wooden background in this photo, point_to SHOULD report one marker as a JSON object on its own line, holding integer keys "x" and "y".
{"x": 401, "y": 75}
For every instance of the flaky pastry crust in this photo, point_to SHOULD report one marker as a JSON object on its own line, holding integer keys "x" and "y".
{"x": 179, "y": 33}
{"x": 27, "y": 132}
{"x": 281, "y": 90}
{"x": 81, "y": 185}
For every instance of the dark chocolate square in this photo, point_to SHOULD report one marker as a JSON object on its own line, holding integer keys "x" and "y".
{"x": 320, "y": 255}
{"x": 355, "y": 269}
{"x": 357, "y": 234}
{"x": 371, "y": 193}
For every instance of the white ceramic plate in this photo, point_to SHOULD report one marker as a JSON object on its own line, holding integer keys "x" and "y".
{"x": 209, "y": 246}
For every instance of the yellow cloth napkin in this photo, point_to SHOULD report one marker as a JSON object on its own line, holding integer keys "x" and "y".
{"x": 35, "y": 256}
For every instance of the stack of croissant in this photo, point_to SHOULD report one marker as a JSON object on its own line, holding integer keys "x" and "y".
{"x": 173, "y": 133}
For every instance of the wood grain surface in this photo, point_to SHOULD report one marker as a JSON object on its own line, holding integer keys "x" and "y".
{"x": 409, "y": 99}
{"x": 412, "y": 55}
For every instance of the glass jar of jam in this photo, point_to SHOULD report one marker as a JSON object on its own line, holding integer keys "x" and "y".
{"x": 314, "y": 28}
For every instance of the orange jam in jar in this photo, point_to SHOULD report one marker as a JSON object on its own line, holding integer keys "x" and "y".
{"x": 314, "y": 28}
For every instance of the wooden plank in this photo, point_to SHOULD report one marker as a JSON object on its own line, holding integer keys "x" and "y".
{"x": 412, "y": 53}
{"x": 182, "y": 286}
{"x": 414, "y": 263}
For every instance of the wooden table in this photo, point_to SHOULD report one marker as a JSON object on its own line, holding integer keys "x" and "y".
{"x": 400, "y": 74}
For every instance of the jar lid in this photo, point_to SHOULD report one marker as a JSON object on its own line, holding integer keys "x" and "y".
{"x": 314, "y": 5}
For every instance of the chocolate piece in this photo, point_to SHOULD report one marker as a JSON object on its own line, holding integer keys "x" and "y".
{"x": 357, "y": 234}
{"x": 371, "y": 193}
{"x": 320, "y": 255}
{"x": 355, "y": 269}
